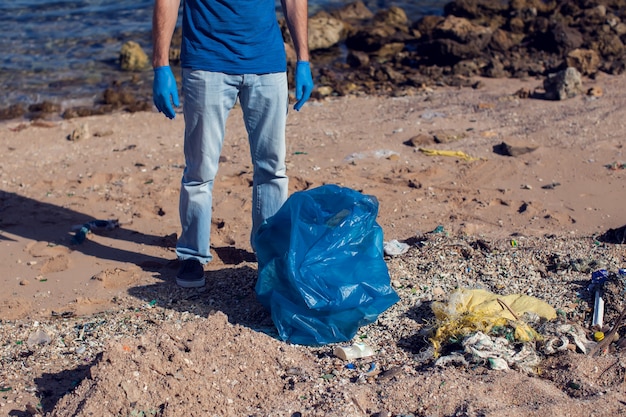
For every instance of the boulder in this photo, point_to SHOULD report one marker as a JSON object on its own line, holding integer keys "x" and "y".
{"x": 394, "y": 17}
{"x": 473, "y": 9}
{"x": 325, "y": 31}
{"x": 456, "y": 39}
{"x": 462, "y": 30}
{"x": 353, "y": 11}
{"x": 563, "y": 84}
{"x": 502, "y": 40}
{"x": 586, "y": 61}
{"x": 133, "y": 57}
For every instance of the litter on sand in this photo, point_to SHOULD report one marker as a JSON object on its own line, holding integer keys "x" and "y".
{"x": 395, "y": 248}
{"x": 498, "y": 353}
{"x": 492, "y": 330}
{"x": 454, "y": 154}
{"x": 94, "y": 225}
{"x": 468, "y": 311}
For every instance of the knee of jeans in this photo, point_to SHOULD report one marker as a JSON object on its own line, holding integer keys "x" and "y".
{"x": 262, "y": 176}
{"x": 199, "y": 175}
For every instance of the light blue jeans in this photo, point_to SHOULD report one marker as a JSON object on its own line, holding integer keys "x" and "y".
{"x": 208, "y": 99}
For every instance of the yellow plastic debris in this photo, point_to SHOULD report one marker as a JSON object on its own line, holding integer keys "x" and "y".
{"x": 455, "y": 154}
{"x": 470, "y": 310}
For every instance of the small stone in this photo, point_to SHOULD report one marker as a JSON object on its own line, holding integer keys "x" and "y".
{"x": 514, "y": 149}
{"x": 595, "y": 91}
{"x": 420, "y": 140}
{"x": 447, "y": 136}
{"x": 324, "y": 91}
{"x": 80, "y": 133}
{"x": 523, "y": 93}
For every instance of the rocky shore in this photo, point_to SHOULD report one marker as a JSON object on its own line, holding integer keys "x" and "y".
{"x": 356, "y": 52}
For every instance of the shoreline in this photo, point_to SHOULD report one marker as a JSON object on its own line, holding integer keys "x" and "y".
{"x": 356, "y": 52}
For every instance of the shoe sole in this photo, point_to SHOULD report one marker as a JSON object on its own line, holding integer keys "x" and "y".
{"x": 190, "y": 284}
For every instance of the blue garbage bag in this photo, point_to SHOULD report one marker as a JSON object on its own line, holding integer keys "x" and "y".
{"x": 321, "y": 269}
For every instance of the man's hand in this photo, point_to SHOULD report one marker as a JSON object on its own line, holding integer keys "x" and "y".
{"x": 164, "y": 91}
{"x": 304, "y": 83}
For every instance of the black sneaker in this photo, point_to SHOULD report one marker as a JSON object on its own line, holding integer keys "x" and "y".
{"x": 190, "y": 274}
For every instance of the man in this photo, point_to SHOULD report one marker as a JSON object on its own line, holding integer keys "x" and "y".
{"x": 231, "y": 49}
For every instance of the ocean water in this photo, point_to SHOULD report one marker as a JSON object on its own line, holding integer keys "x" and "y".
{"x": 66, "y": 51}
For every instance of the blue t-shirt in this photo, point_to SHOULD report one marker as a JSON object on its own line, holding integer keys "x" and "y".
{"x": 232, "y": 36}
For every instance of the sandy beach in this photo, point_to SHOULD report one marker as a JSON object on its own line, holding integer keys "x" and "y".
{"x": 158, "y": 350}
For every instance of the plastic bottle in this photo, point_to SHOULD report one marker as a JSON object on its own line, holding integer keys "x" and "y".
{"x": 357, "y": 350}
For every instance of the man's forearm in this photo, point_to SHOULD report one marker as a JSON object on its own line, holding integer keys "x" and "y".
{"x": 297, "y": 16}
{"x": 164, "y": 20}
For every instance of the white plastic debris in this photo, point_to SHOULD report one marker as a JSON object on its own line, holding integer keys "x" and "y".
{"x": 395, "y": 248}
{"x": 357, "y": 350}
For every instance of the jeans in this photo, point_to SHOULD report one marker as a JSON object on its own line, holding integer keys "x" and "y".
{"x": 208, "y": 99}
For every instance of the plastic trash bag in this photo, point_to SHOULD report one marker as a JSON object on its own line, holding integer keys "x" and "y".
{"x": 321, "y": 268}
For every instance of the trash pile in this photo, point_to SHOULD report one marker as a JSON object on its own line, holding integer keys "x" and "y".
{"x": 477, "y": 327}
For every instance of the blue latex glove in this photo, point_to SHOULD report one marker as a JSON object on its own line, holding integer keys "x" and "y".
{"x": 164, "y": 91}
{"x": 304, "y": 83}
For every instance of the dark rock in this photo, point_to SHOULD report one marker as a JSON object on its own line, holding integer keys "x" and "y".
{"x": 608, "y": 45}
{"x": 513, "y": 149}
{"x": 44, "y": 107}
{"x": 12, "y": 112}
{"x": 456, "y": 39}
{"x": 85, "y": 112}
{"x": 617, "y": 236}
{"x": 563, "y": 39}
{"x": 473, "y": 9}
{"x": 372, "y": 38}
{"x": 495, "y": 69}
{"x": 462, "y": 30}
{"x": 533, "y": 7}
{"x": 139, "y": 105}
{"x": 353, "y": 11}
{"x": 426, "y": 26}
{"x": 393, "y": 17}
{"x": 502, "y": 40}
{"x": 118, "y": 98}
{"x": 358, "y": 59}
{"x": 467, "y": 68}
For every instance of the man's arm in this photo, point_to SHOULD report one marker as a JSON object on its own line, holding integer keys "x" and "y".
{"x": 164, "y": 18}
{"x": 164, "y": 89}
{"x": 297, "y": 17}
